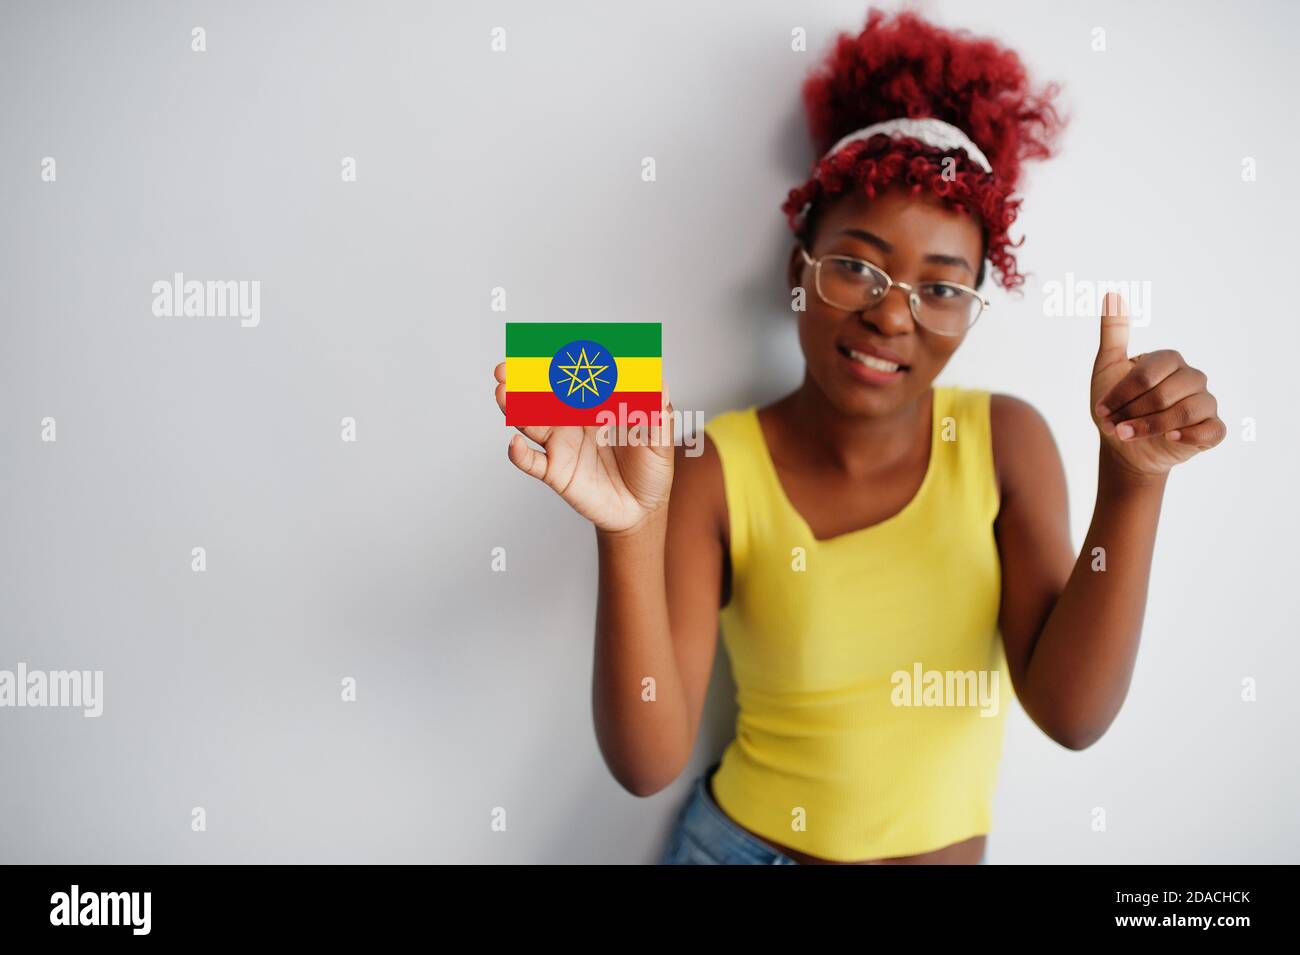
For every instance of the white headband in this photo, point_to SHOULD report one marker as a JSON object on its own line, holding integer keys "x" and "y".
{"x": 932, "y": 132}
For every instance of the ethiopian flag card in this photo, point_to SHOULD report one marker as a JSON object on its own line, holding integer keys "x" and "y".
{"x": 569, "y": 373}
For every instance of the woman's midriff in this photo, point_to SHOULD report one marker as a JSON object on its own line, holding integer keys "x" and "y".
{"x": 968, "y": 852}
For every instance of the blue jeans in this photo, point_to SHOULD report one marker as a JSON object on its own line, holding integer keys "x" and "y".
{"x": 705, "y": 835}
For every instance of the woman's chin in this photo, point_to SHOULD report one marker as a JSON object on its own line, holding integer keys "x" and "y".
{"x": 859, "y": 402}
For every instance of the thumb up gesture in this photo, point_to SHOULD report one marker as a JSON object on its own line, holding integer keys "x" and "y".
{"x": 1153, "y": 410}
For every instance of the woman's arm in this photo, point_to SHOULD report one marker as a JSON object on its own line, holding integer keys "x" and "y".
{"x": 1071, "y": 626}
{"x": 660, "y": 520}
{"x": 657, "y": 620}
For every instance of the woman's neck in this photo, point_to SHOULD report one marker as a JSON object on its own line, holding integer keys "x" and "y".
{"x": 815, "y": 432}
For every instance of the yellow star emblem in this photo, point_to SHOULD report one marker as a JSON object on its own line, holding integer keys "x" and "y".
{"x": 582, "y": 375}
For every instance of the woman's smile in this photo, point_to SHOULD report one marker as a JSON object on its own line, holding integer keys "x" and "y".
{"x": 871, "y": 365}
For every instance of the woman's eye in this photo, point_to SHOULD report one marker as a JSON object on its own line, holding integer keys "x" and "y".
{"x": 853, "y": 267}
{"x": 940, "y": 291}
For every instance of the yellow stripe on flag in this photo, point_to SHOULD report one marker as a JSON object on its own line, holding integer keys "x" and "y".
{"x": 634, "y": 374}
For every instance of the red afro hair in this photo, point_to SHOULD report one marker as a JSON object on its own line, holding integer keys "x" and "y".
{"x": 904, "y": 66}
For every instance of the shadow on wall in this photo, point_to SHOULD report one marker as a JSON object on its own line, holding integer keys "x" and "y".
{"x": 763, "y": 297}
{"x": 717, "y": 729}
{"x": 652, "y": 818}
{"x": 763, "y": 304}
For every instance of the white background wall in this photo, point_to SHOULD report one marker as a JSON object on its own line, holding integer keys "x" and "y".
{"x": 522, "y": 170}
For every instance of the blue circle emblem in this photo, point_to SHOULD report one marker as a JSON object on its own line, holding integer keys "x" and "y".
{"x": 583, "y": 374}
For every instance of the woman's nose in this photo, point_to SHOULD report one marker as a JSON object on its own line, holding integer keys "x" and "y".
{"x": 893, "y": 316}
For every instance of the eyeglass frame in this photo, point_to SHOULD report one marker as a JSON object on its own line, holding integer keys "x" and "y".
{"x": 912, "y": 303}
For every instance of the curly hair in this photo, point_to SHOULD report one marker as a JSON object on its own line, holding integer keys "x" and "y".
{"x": 904, "y": 66}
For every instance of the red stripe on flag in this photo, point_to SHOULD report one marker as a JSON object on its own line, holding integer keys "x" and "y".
{"x": 524, "y": 408}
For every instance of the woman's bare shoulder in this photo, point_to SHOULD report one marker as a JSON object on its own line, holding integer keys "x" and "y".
{"x": 1022, "y": 441}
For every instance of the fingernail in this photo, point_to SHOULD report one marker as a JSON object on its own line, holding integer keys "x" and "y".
{"x": 1125, "y": 430}
{"x": 1102, "y": 411}
{"x": 1175, "y": 435}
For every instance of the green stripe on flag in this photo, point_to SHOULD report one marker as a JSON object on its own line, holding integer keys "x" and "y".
{"x": 623, "y": 339}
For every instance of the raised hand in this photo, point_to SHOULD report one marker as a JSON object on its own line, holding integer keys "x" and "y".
{"x": 1153, "y": 410}
{"x": 615, "y": 486}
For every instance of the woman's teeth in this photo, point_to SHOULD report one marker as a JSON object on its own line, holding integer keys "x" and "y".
{"x": 871, "y": 361}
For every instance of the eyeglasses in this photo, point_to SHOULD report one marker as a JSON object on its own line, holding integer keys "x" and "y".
{"x": 855, "y": 285}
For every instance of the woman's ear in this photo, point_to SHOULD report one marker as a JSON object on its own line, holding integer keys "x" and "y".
{"x": 794, "y": 268}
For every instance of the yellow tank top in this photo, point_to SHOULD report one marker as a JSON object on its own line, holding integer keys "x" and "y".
{"x": 871, "y": 680}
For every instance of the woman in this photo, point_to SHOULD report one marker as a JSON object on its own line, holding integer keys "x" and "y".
{"x": 886, "y": 555}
